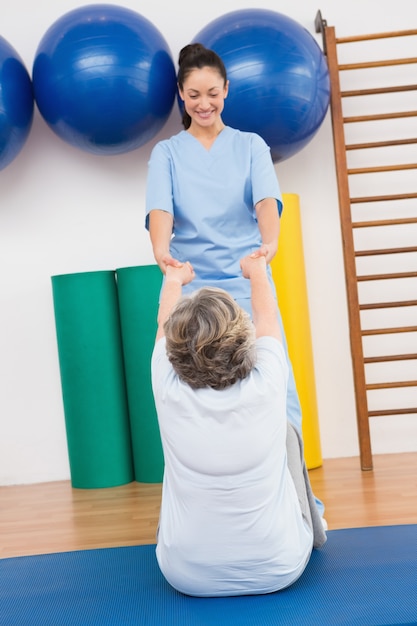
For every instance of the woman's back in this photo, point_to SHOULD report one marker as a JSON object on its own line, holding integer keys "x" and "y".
{"x": 230, "y": 519}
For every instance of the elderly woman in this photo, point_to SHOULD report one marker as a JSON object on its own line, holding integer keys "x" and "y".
{"x": 237, "y": 514}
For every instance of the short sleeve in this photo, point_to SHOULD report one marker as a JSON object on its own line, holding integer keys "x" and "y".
{"x": 264, "y": 178}
{"x": 271, "y": 361}
{"x": 159, "y": 181}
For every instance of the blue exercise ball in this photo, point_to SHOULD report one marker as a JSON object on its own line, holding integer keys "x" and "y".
{"x": 279, "y": 80}
{"x": 104, "y": 79}
{"x": 16, "y": 104}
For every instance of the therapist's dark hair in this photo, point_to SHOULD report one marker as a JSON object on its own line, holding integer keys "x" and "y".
{"x": 210, "y": 339}
{"x": 196, "y": 56}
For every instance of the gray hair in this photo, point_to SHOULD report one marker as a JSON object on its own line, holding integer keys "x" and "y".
{"x": 210, "y": 339}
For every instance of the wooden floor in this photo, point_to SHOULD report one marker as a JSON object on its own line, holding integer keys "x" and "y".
{"x": 53, "y": 517}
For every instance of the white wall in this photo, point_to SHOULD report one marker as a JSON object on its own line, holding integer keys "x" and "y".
{"x": 63, "y": 210}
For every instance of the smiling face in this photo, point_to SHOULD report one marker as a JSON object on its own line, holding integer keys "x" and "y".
{"x": 203, "y": 93}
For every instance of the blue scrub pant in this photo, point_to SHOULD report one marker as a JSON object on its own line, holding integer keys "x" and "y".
{"x": 293, "y": 403}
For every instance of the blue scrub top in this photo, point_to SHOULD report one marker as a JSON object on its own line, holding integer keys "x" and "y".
{"x": 211, "y": 195}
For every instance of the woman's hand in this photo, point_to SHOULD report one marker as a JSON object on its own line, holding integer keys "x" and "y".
{"x": 253, "y": 263}
{"x": 266, "y": 250}
{"x": 182, "y": 273}
{"x": 166, "y": 260}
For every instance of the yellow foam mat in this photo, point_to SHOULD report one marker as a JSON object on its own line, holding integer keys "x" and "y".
{"x": 288, "y": 270}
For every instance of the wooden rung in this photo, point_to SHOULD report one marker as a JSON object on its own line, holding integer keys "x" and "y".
{"x": 390, "y": 357}
{"x": 371, "y": 64}
{"x": 398, "y": 196}
{"x": 387, "y": 305}
{"x": 394, "y": 222}
{"x": 409, "y": 411}
{"x": 381, "y": 144}
{"x": 376, "y": 91}
{"x": 380, "y": 116}
{"x": 387, "y": 276}
{"x": 388, "y": 331}
{"x": 382, "y": 168}
{"x": 361, "y": 253}
{"x": 388, "y": 35}
{"x": 393, "y": 385}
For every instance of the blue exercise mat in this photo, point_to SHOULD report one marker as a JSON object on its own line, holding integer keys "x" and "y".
{"x": 363, "y": 576}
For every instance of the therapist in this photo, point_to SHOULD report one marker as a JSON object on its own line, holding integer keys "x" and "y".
{"x": 212, "y": 193}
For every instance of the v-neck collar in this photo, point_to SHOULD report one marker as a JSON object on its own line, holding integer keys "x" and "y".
{"x": 217, "y": 140}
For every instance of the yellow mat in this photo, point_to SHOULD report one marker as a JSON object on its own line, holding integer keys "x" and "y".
{"x": 288, "y": 270}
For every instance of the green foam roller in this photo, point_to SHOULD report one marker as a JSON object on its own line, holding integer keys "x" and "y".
{"x": 138, "y": 289}
{"x": 92, "y": 377}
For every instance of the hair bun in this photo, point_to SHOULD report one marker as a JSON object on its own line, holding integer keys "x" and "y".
{"x": 190, "y": 50}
